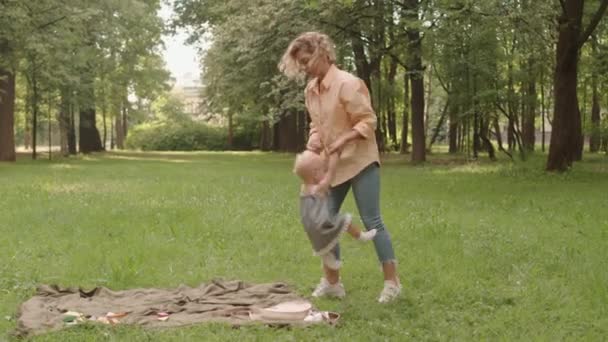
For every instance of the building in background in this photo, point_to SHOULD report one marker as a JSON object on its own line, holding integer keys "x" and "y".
{"x": 189, "y": 90}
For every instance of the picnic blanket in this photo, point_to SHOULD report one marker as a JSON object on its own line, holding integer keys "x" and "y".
{"x": 234, "y": 302}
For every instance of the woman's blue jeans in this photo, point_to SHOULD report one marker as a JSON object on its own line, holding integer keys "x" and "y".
{"x": 366, "y": 189}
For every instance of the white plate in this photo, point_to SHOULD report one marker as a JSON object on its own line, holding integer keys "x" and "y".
{"x": 293, "y": 311}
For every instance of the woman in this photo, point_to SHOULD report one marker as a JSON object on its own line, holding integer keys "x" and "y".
{"x": 343, "y": 121}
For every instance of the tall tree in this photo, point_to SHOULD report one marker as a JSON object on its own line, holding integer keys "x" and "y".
{"x": 566, "y": 134}
{"x": 7, "y": 114}
{"x": 416, "y": 72}
{"x": 595, "y": 136}
{"x": 11, "y": 31}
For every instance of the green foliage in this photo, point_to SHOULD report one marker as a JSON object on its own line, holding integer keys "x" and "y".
{"x": 188, "y": 135}
{"x": 162, "y": 136}
{"x": 84, "y": 53}
{"x": 488, "y": 54}
{"x": 240, "y": 67}
{"x": 169, "y": 109}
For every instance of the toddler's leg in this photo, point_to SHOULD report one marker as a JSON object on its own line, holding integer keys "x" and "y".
{"x": 359, "y": 235}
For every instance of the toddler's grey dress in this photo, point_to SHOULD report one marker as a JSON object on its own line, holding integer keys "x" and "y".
{"x": 322, "y": 228}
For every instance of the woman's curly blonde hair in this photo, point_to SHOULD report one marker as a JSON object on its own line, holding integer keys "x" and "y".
{"x": 316, "y": 43}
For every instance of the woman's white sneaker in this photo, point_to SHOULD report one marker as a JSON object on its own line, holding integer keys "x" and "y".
{"x": 390, "y": 291}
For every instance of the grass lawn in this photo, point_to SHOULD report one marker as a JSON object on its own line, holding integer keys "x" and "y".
{"x": 487, "y": 251}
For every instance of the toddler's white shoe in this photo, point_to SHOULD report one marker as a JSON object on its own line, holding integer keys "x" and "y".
{"x": 325, "y": 289}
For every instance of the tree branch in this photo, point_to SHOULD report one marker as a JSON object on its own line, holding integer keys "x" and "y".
{"x": 593, "y": 23}
{"x": 515, "y": 130}
{"x": 348, "y": 31}
{"x": 443, "y": 85}
{"x": 52, "y": 22}
{"x": 439, "y": 124}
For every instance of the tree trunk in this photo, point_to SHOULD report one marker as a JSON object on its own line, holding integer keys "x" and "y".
{"x": 461, "y": 136}
{"x": 529, "y": 114}
{"x": 105, "y": 125}
{"x": 125, "y": 119}
{"x": 453, "y": 124}
{"x": 64, "y": 123}
{"x": 276, "y": 130}
{"x": 121, "y": 129}
{"x": 291, "y": 132}
{"x": 392, "y": 123}
{"x": 405, "y": 123}
{"x": 392, "y": 73}
{"x": 510, "y": 109}
{"x": 428, "y": 97}
{"x": 467, "y": 137}
{"x": 7, "y": 115}
{"x": 476, "y": 138}
{"x": 483, "y": 135}
{"x": 27, "y": 133}
{"x": 578, "y": 151}
{"x": 417, "y": 83}
{"x": 230, "y": 131}
{"x": 498, "y": 134}
{"x": 119, "y": 132}
{"x": 566, "y": 142}
{"x": 50, "y": 128}
{"x": 417, "y": 104}
{"x": 542, "y": 108}
{"x": 484, "y": 130}
{"x": 377, "y": 103}
{"x": 605, "y": 135}
{"x": 89, "y": 140}
{"x": 266, "y": 136}
{"x": 453, "y": 128}
{"x": 361, "y": 62}
{"x": 285, "y": 139}
{"x": 594, "y": 139}
{"x": 439, "y": 125}
{"x": 34, "y": 103}
{"x": 566, "y": 131}
{"x": 280, "y": 134}
{"x": 112, "y": 141}
{"x": 511, "y": 134}
{"x": 473, "y": 103}
{"x": 72, "y": 132}
{"x": 88, "y": 135}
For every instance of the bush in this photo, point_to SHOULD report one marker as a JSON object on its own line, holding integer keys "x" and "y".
{"x": 245, "y": 138}
{"x": 162, "y": 136}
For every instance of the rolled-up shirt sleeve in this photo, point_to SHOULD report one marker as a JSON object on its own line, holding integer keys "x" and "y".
{"x": 354, "y": 95}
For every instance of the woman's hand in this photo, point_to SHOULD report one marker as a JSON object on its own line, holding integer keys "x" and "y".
{"x": 337, "y": 145}
{"x": 342, "y": 140}
{"x": 322, "y": 187}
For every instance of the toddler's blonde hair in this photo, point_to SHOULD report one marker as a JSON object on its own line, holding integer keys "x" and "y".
{"x": 307, "y": 163}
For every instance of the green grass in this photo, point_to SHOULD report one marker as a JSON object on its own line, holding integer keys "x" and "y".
{"x": 487, "y": 251}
